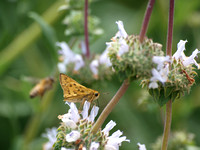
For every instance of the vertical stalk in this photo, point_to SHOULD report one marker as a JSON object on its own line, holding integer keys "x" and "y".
{"x": 86, "y": 29}
{"x": 110, "y": 106}
{"x": 125, "y": 84}
{"x": 170, "y": 28}
{"x": 168, "y": 117}
{"x": 146, "y": 19}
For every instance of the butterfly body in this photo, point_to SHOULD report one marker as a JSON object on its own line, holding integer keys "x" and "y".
{"x": 75, "y": 92}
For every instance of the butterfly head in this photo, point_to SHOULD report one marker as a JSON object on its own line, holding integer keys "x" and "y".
{"x": 96, "y": 94}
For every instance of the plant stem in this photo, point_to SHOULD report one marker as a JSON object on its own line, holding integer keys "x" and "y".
{"x": 110, "y": 106}
{"x": 168, "y": 117}
{"x": 167, "y": 127}
{"x": 170, "y": 28}
{"x": 86, "y": 29}
{"x": 146, "y": 19}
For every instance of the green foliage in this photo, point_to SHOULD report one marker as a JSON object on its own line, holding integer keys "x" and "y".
{"x": 24, "y": 52}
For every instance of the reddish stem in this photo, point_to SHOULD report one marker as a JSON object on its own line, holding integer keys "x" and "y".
{"x": 170, "y": 29}
{"x": 86, "y": 29}
{"x": 146, "y": 19}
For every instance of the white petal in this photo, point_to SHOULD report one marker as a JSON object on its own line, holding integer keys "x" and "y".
{"x": 85, "y": 109}
{"x": 157, "y": 76}
{"x": 179, "y": 54}
{"x": 62, "y": 68}
{"x": 159, "y": 60}
{"x": 73, "y": 136}
{"x": 51, "y": 135}
{"x": 110, "y": 147}
{"x": 79, "y": 62}
{"x": 93, "y": 113}
{"x": 94, "y": 67}
{"x": 108, "y": 127}
{"x": 191, "y": 60}
{"x": 121, "y": 29}
{"x": 70, "y": 123}
{"x": 83, "y": 47}
{"x": 123, "y": 47}
{"x": 74, "y": 112}
{"x": 141, "y": 146}
{"x": 94, "y": 146}
{"x": 104, "y": 59}
{"x": 153, "y": 85}
{"x": 67, "y": 52}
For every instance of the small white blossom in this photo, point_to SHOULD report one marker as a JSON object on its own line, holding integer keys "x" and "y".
{"x": 66, "y": 118}
{"x": 69, "y": 57}
{"x": 114, "y": 141}
{"x": 79, "y": 62}
{"x": 51, "y": 136}
{"x": 73, "y": 136}
{"x": 122, "y": 32}
{"x": 108, "y": 127}
{"x": 94, "y": 146}
{"x": 62, "y": 67}
{"x": 94, "y": 67}
{"x": 180, "y": 48}
{"x": 104, "y": 59}
{"x": 141, "y": 146}
{"x": 191, "y": 60}
{"x": 185, "y": 60}
{"x": 123, "y": 47}
{"x": 161, "y": 73}
{"x": 159, "y": 60}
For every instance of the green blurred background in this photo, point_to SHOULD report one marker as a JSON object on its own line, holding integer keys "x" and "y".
{"x": 28, "y": 51}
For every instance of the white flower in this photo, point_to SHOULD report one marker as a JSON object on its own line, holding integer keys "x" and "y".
{"x": 191, "y": 60}
{"x": 160, "y": 60}
{"x": 141, "y": 146}
{"x": 94, "y": 146}
{"x": 79, "y": 62}
{"x": 185, "y": 60}
{"x": 180, "y": 48}
{"x": 73, "y": 136}
{"x": 114, "y": 141}
{"x": 123, "y": 47}
{"x": 66, "y": 118}
{"x": 51, "y": 135}
{"x": 108, "y": 127}
{"x": 62, "y": 67}
{"x": 122, "y": 32}
{"x": 69, "y": 57}
{"x": 94, "y": 67}
{"x": 161, "y": 73}
{"x": 104, "y": 59}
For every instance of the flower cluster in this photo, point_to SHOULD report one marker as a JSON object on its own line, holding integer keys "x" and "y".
{"x": 173, "y": 76}
{"x": 75, "y": 132}
{"x": 130, "y": 58}
{"x": 74, "y": 63}
{"x": 74, "y": 20}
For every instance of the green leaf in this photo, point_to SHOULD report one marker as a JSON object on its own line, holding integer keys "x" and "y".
{"x": 49, "y": 33}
